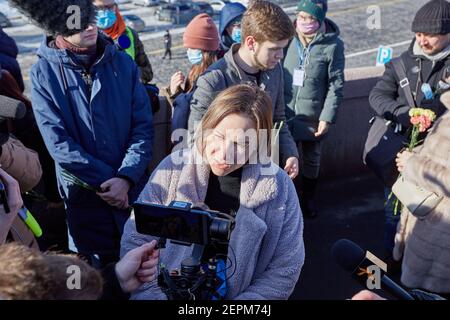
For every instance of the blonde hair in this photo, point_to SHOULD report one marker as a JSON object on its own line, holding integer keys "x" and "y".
{"x": 266, "y": 21}
{"x": 245, "y": 99}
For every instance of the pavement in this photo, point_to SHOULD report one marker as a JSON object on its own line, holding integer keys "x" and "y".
{"x": 348, "y": 208}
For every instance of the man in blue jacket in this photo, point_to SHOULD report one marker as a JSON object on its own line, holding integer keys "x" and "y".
{"x": 95, "y": 117}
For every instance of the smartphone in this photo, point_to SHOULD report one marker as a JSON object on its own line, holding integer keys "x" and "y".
{"x": 188, "y": 226}
{"x": 4, "y": 198}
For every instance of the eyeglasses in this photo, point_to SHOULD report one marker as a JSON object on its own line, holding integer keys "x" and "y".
{"x": 307, "y": 18}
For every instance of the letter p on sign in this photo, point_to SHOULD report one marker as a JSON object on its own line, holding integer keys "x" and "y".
{"x": 384, "y": 55}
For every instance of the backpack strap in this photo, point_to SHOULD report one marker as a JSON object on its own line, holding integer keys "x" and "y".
{"x": 400, "y": 70}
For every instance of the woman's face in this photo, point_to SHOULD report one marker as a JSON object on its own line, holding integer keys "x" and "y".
{"x": 227, "y": 146}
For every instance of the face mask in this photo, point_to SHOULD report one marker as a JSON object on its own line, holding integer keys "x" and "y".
{"x": 105, "y": 18}
{"x": 308, "y": 27}
{"x": 195, "y": 56}
{"x": 236, "y": 35}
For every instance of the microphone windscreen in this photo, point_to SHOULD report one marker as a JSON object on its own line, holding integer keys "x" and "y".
{"x": 11, "y": 108}
{"x": 347, "y": 254}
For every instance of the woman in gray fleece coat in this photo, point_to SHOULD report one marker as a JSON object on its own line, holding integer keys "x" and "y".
{"x": 267, "y": 241}
{"x": 423, "y": 242}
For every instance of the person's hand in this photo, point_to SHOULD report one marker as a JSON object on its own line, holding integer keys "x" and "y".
{"x": 137, "y": 267}
{"x": 367, "y": 295}
{"x": 176, "y": 81}
{"x": 15, "y": 202}
{"x": 115, "y": 192}
{"x": 291, "y": 167}
{"x": 322, "y": 128}
{"x": 402, "y": 158}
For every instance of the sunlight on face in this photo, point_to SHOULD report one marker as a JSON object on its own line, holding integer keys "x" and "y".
{"x": 432, "y": 44}
{"x": 227, "y": 148}
{"x": 269, "y": 53}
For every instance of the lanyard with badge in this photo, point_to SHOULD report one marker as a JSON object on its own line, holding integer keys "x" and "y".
{"x": 299, "y": 72}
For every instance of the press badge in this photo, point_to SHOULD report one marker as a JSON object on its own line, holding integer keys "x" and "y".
{"x": 299, "y": 77}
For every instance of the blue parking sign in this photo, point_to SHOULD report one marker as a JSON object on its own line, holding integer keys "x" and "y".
{"x": 384, "y": 55}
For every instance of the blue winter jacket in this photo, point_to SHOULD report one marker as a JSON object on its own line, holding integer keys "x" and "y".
{"x": 107, "y": 136}
{"x": 228, "y": 13}
{"x": 8, "y": 57}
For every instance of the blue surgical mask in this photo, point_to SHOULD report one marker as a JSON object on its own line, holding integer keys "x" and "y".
{"x": 106, "y": 18}
{"x": 236, "y": 35}
{"x": 195, "y": 56}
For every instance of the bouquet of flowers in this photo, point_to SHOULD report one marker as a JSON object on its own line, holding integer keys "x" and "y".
{"x": 421, "y": 120}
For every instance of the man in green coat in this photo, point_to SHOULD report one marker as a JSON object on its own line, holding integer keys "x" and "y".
{"x": 313, "y": 90}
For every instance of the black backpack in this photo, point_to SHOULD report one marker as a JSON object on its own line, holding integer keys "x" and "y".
{"x": 384, "y": 140}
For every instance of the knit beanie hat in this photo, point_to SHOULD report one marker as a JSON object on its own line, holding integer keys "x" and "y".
{"x": 433, "y": 17}
{"x": 201, "y": 33}
{"x": 311, "y": 7}
{"x": 55, "y": 16}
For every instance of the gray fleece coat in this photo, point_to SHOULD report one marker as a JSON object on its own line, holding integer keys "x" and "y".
{"x": 267, "y": 239}
{"x": 225, "y": 73}
{"x": 424, "y": 243}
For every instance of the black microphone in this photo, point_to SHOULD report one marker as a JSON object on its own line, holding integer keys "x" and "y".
{"x": 365, "y": 268}
{"x": 11, "y": 108}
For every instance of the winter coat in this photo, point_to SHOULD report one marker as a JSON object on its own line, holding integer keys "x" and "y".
{"x": 388, "y": 99}
{"x": 228, "y": 13}
{"x": 141, "y": 58}
{"x": 97, "y": 125}
{"x": 21, "y": 233}
{"x": 95, "y": 136}
{"x": 267, "y": 239}
{"x": 180, "y": 103}
{"x": 322, "y": 92}
{"x": 167, "y": 41}
{"x": 21, "y": 163}
{"x": 8, "y": 58}
{"x": 424, "y": 242}
{"x": 225, "y": 73}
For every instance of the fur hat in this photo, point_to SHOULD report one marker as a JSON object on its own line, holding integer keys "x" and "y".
{"x": 55, "y": 17}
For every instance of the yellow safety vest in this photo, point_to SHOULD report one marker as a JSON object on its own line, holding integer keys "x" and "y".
{"x": 131, "y": 51}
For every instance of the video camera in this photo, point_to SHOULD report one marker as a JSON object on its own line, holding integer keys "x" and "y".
{"x": 203, "y": 275}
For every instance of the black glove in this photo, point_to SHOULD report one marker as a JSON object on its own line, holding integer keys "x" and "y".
{"x": 401, "y": 115}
